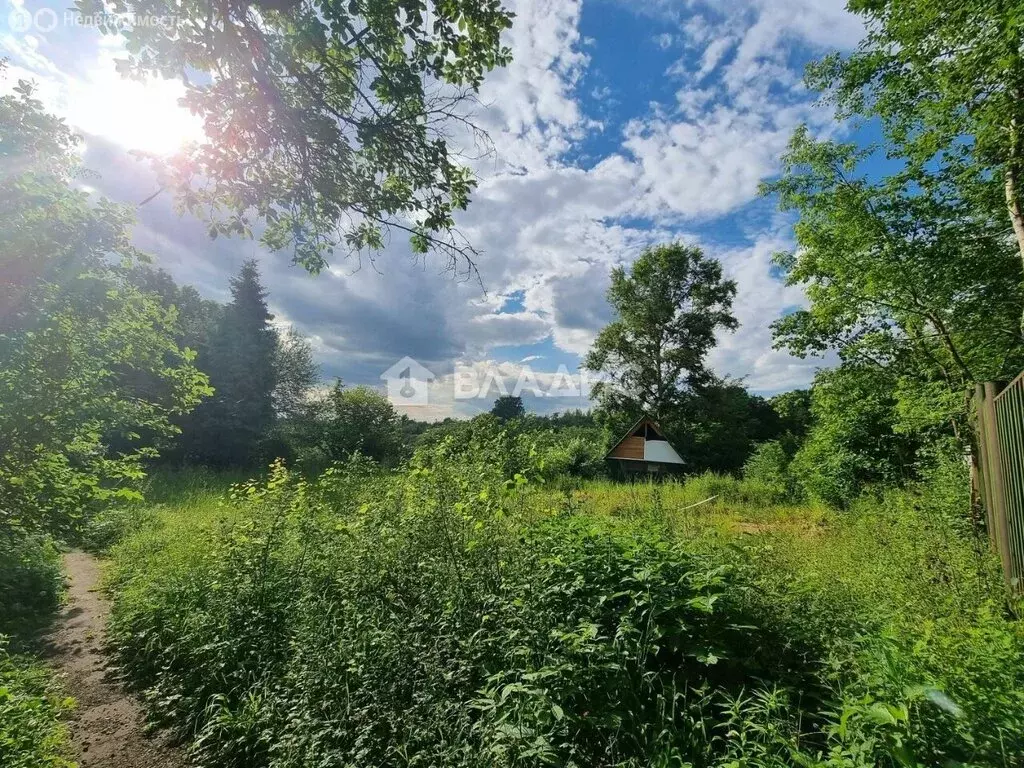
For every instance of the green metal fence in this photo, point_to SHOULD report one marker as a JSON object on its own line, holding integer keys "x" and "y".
{"x": 1001, "y": 465}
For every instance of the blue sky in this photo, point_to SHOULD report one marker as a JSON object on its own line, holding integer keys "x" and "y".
{"x": 618, "y": 125}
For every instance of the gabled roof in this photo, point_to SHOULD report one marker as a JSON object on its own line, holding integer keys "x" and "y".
{"x": 669, "y": 456}
{"x": 630, "y": 431}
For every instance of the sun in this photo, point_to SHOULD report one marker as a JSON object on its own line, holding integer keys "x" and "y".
{"x": 141, "y": 116}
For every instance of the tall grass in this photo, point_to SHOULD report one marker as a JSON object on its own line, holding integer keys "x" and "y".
{"x": 31, "y": 731}
{"x": 195, "y": 494}
{"x": 461, "y": 614}
{"x": 32, "y": 734}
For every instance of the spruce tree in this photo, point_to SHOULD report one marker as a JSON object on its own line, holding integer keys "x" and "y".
{"x": 239, "y": 416}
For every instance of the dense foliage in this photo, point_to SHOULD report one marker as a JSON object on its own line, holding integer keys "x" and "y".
{"x": 508, "y": 407}
{"x": 76, "y": 337}
{"x": 31, "y": 733}
{"x": 30, "y": 580}
{"x": 909, "y": 251}
{"x": 918, "y": 291}
{"x": 945, "y": 80}
{"x": 330, "y": 428}
{"x": 328, "y": 122}
{"x": 545, "y": 448}
{"x": 457, "y": 615}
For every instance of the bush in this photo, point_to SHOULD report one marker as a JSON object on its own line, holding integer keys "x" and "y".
{"x": 827, "y": 473}
{"x": 31, "y": 733}
{"x": 573, "y": 456}
{"x": 110, "y": 525}
{"x": 525, "y": 446}
{"x": 925, "y": 666}
{"x": 440, "y": 617}
{"x": 426, "y": 622}
{"x": 768, "y": 468}
{"x": 30, "y": 580}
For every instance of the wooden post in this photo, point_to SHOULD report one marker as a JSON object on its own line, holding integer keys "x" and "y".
{"x": 1009, "y": 407}
{"x": 996, "y": 484}
{"x": 981, "y": 470}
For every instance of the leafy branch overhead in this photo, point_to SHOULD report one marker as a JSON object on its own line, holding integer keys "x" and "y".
{"x": 329, "y": 121}
{"x": 946, "y": 80}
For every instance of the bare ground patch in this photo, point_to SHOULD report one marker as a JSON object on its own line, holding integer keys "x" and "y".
{"x": 108, "y": 728}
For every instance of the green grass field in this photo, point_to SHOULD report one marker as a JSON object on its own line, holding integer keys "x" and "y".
{"x": 441, "y": 617}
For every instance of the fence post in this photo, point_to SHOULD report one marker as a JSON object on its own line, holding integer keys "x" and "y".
{"x": 1009, "y": 407}
{"x": 994, "y": 484}
{"x": 981, "y": 479}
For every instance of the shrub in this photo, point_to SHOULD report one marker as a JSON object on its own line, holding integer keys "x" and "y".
{"x": 31, "y": 733}
{"x": 428, "y": 621}
{"x": 573, "y": 456}
{"x": 926, "y": 667}
{"x": 441, "y": 617}
{"x": 768, "y": 468}
{"x": 110, "y": 525}
{"x": 30, "y": 580}
{"x": 827, "y": 473}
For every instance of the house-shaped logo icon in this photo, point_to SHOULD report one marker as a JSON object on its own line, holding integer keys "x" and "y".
{"x": 408, "y": 382}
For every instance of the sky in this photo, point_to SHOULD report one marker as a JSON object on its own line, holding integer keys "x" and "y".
{"x": 619, "y": 124}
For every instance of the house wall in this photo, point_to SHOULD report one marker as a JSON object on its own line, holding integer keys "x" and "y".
{"x": 630, "y": 448}
{"x": 642, "y": 469}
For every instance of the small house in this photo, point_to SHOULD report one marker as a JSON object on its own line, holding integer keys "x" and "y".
{"x": 644, "y": 449}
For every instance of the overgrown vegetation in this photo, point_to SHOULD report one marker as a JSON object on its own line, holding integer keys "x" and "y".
{"x": 30, "y": 580}
{"x": 31, "y": 734}
{"x": 468, "y": 613}
{"x": 475, "y": 593}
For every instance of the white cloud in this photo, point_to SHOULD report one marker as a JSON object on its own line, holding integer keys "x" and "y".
{"x": 713, "y": 54}
{"x": 532, "y": 113}
{"x": 760, "y": 300}
{"x": 705, "y": 155}
{"x": 700, "y": 167}
{"x": 546, "y": 229}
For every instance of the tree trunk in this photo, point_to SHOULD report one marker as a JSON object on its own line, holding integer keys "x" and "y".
{"x": 1013, "y": 192}
{"x": 1011, "y": 188}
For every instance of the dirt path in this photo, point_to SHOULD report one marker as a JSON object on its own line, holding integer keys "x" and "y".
{"x": 107, "y": 728}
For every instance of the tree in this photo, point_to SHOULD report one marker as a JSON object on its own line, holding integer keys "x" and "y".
{"x": 197, "y": 321}
{"x": 857, "y": 439}
{"x": 724, "y": 423}
{"x": 946, "y": 78}
{"x": 343, "y": 422}
{"x": 76, "y": 337}
{"x": 197, "y": 317}
{"x": 905, "y": 277}
{"x": 508, "y": 407}
{"x": 328, "y": 120}
{"x": 794, "y": 412}
{"x": 295, "y": 374}
{"x": 231, "y": 426}
{"x": 668, "y": 308}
